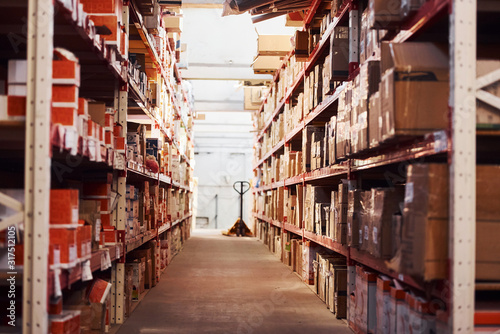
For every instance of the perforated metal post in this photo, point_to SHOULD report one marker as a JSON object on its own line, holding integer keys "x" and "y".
{"x": 118, "y": 269}
{"x": 37, "y": 166}
{"x": 462, "y": 230}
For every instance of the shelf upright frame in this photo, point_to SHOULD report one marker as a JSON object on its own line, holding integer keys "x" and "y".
{"x": 118, "y": 269}
{"x": 462, "y": 227}
{"x": 37, "y": 165}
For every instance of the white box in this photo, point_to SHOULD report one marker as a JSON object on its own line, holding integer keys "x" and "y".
{"x": 18, "y": 72}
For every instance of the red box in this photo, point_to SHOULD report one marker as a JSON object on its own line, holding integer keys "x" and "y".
{"x": 66, "y": 323}
{"x": 65, "y": 95}
{"x": 66, "y": 240}
{"x": 110, "y": 22}
{"x": 110, "y": 234}
{"x": 108, "y": 138}
{"x": 109, "y": 120}
{"x": 64, "y": 206}
{"x": 120, "y": 143}
{"x": 12, "y": 107}
{"x": 83, "y": 107}
{"x": 65, "y": 116}
{"x": 99, "y": 6}
{"x": 98, "y": 291}
{"x": 55, "y": 306}
{"x": 106, "y": 219}
{"x": 65, "y": 72}
{"x": 101, "y": 189}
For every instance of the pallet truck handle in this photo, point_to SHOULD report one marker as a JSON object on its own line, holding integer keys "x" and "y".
{"x": 242, "y": 183}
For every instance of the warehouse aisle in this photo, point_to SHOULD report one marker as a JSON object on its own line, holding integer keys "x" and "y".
{"x": 223, "y": 284}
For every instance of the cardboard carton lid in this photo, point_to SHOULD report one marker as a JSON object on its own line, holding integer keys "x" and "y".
{"x": 413, "y": 56}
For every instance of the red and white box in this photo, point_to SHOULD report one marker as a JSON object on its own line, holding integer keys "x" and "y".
{"x": 64, "y": 207}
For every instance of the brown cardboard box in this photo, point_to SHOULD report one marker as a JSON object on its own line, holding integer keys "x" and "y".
{"x": 365, "y": 220}
{"x": 339, "y": 54}
{"x": 353, "y": 218}
{"x": 383, "y": 298}
{"x": 488, "y": 222}
{"x": 385, "y": 205}
{"x": 424, "y": 247}
{"x": 384, "y": 14}
{"x": 414, "y": 89}
{"x": 374, "y": 121}
{"x": 273, "y": 45}
{"x": 365, "y": 312}
{"x": 266, "y": 64}
{"x": 301, "y": 45}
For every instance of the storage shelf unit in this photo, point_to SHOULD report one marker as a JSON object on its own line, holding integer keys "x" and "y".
{"x": 68, "y": 158}
{"x": 433, "y": 21}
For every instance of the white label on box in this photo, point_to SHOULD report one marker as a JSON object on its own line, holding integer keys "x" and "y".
{"x": 57, "y": 283}
{"x": 83, "y": 249}
{"x": 97, "y": 229}
{"x": 73, "y": 253}
{"x": 360, "y": 236}
{"x": 103, "y": 262}
{"x": 375, "y": 234}
{"x": 86, "y": 271}
{"x": 108, "y": 259}
{"x": 56, "y": 253}
{"x": 401, "y": 277}
{"x": 74, "y": 216}
{"x": 366, "y": 233}
{"x": 89, "y": 247}
{"x": 409, "y": 192}
{"x": 440, "y": 141}
{"x": 118, "y": 251}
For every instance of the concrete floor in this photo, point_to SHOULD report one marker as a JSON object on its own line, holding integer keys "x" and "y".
{"x": 225, "y": 285}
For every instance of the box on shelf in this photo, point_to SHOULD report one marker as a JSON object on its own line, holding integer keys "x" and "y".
{"x": 365, "y": 300}
{"x": 301, "y": 47}
{"x": 398, "y": 310}
{"x": 383, "y": 306}
{"x": 384, "y": 14}
{"x": 273, "y": 45}
{"x": 266, "y": 64}
{"x": 64, "y": 206}
{"x": 65, "y": 69}
{"x": 414, "y": 88}
{"x": 12, "y": 108}
{"x": 65, "y": 251}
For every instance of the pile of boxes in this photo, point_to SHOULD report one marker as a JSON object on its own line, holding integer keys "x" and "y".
{"x": 379, "y": 304}
{"x": 108, "y": 13}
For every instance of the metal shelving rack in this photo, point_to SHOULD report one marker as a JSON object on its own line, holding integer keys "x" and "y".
{"x": 41, "y": 144}
{"x": 457, "y": 145}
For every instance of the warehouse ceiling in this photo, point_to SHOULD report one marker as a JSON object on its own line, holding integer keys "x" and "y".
{"x": 219, "y": 56}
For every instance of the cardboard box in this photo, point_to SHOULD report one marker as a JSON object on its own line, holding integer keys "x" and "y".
{"x": 424, "y": 247}
{"x": 365, "y": 220}
{"x": 65, "y": 116}
{"x": 339, "y": 54}
{"x": 414, "y": 89}
{"x": 301, "y": 39}
{"x": 487, "y": 222}
{"x": 266, "y": 64}
{"x": 12, "y": 108}
{"x": 421, "y": 317}
{"x": 64, "y": 206}
{"x": 173, "y": 23}
{"x": 110, "y": 22}
{"x": 66, "y": 72}
{"x": 386, "y": 202}
{"x": 384, "y": 14}
{"x": 383, "y": 297}
{"x": 374, "y": 121}
{"x": 397, "y": 310}
{"x": 65, "y": 250}
{"x": 273, "y": 45}
{"x": 309, "y": 251}
{"x": 66, "y": 323}
{"x": 353, "y": 218}
{"x": 65, "y": 96}
{"x": 365, "y": 311}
